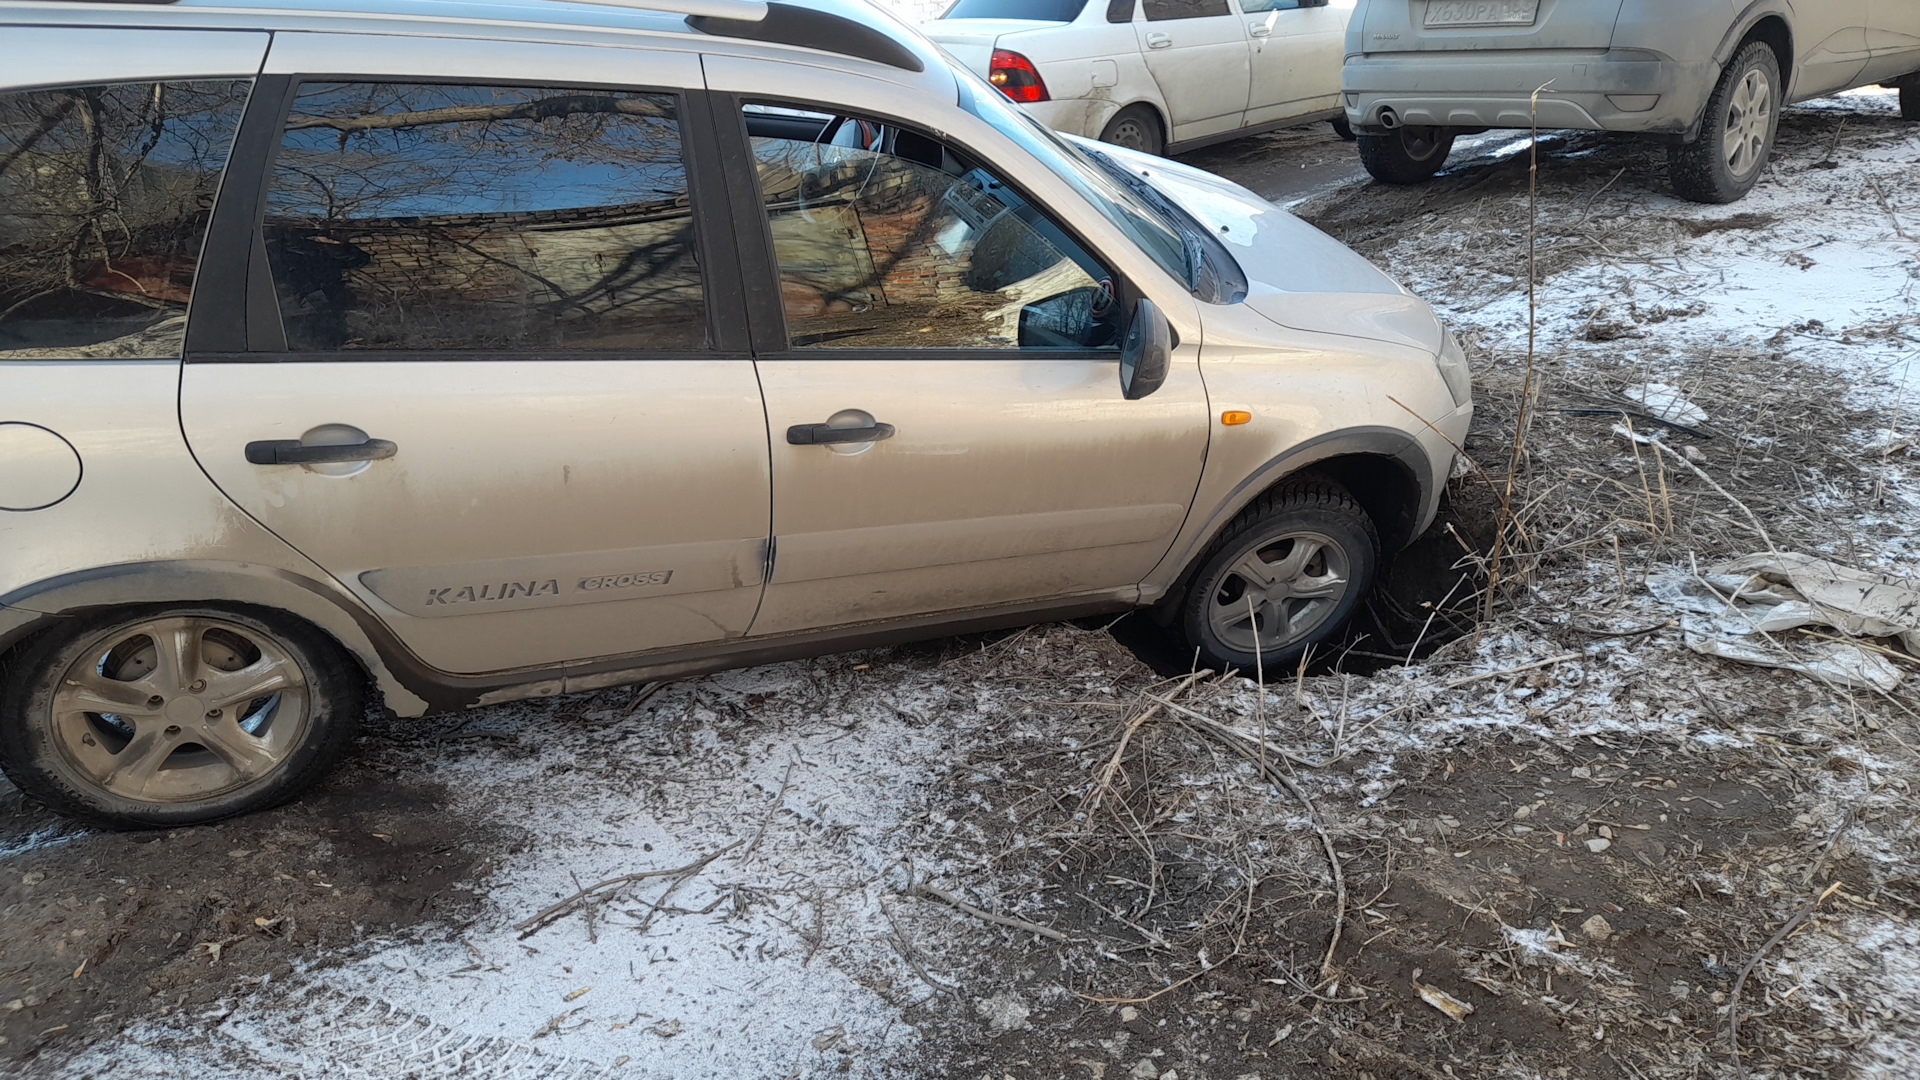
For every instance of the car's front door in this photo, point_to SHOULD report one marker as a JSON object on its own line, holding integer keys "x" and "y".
{"x": 477, "y": 280}
{"x": 970, "y": 343}
{"x": 1830, "y": 39}
{"x": 1199, "y": 57}
{"x": 1297, "y": 50}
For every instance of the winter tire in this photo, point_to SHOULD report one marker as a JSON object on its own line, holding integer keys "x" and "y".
{"x": 1406, "y": 155}
{"x": 1342, "y": 128}
{"x": 1286, "y": 573}
{"x": 1736, "y": 135}
{"x": 1136, "y": 128}
{"x": 175, "y": 716}
{"x": 1910, "y": 100}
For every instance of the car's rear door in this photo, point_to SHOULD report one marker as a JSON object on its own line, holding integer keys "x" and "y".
{"x": 482, "y": 275}
{"x": 1198, "y": 53}
{"x": 1893, "y": 38}
{"x": 1830, "y": 42}
{"x": 1297, "y": 49}
{"x": 916, "y": 294}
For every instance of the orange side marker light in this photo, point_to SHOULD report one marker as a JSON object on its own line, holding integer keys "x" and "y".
{"x": 1234, "y": 417}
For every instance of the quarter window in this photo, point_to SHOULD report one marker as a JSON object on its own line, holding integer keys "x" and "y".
{"x": 436, "y": 217}
{"x": 887, "y": 239}
{"x": 1163, "y": 10}
{"x": 105, "y": 193}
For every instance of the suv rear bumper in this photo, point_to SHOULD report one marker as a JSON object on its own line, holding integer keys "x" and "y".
{"x": 1598, "y": 89}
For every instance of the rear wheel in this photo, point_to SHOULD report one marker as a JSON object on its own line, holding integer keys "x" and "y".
{"x": 1342, "y": 128}
{"x": 1286, "y": 574}
{"x": 1406, "y": 155}
{"x": 1136, "y": 128}
{"x": 1736, "y": 134}
{"x": 1910, "y": 100}
{"x": 175, "y": 716}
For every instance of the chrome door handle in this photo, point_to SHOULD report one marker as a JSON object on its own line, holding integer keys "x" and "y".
{"x": 819, "y": 434}
{"x": 1158, "y": 41}
{"x": 295, "y": 452}
{"x": 1259, "y": 29}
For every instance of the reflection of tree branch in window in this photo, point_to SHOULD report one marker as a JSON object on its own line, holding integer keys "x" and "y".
{"x": 47, "y": 124}
{"x": 540, "y": 109}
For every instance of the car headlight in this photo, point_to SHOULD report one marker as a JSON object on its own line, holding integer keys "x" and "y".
{"x": 1452, "y": 362}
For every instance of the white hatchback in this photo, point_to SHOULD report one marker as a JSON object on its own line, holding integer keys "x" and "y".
{"x": 1157, "y": 75}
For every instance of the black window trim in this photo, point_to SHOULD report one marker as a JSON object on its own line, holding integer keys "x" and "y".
{"x": 241, "y": 321}
{"x": 764, "y": 309}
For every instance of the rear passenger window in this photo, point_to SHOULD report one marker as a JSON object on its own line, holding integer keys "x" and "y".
{"x": 1162, "y": 10}
{"x": 434, "y": 217}
{"x": 105, "y": 192}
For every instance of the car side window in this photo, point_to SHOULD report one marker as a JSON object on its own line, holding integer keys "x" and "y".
{"x": 453, "y": 217}
{"x": 1163, "y": 10}
{"x": 1121, "y": 11}
{"x": 1255, "y": 7}
{"x": 105, "y": 194}
{"x": 885, "y": 238}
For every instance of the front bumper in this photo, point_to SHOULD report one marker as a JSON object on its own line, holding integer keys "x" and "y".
{"x": 1597, "y": 89}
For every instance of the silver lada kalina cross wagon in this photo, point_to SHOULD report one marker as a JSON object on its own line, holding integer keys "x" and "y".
{"x": 452, "y": 353}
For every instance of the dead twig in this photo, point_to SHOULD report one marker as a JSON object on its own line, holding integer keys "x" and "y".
{"x": 1112, "y": 768}
{"x": 771, "y": 810}
{"x": 1549, "y": 661}
{"x": 592, "y": 893}
{"x": 945, "y": 897}
{"x": 1733, "y": 999}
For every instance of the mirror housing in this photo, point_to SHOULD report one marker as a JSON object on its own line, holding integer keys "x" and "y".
{"x": 1147, "y": 353}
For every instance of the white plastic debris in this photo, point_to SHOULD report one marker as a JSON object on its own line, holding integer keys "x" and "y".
{"x": 1739, "y": 610}
{"x": 1667, "y": 403}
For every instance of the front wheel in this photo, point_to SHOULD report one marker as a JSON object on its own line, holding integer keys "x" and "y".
{"x": 1736, "y": 135}
{"x": 1408, "y": 154}
{"x": 175, "y": 716}
{"x": 1286, "y": 574}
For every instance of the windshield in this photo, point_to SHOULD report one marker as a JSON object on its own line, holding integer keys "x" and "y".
{"x": 1035, "y": 10}
{"x": 1162, "y": 237}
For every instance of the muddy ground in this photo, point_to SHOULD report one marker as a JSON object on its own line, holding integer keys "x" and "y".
{"x": 1563, "y": 837}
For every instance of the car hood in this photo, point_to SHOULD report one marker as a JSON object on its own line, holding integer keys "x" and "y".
{"x": 1297, "y": 275}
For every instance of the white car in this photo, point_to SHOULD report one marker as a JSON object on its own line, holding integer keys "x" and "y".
{"x": 1157, "y": 75}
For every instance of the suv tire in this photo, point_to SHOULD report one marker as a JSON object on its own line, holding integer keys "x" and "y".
{"x": 1406, "y": 155}
{"x": 223, "y": 711}
{"x": 1343, "y": 129}
{"x": 1136, "y": 128}
{"x": 1304, "y": 554}
{"x": 1910, "y": 99}
{"x": 1736, "y": 135}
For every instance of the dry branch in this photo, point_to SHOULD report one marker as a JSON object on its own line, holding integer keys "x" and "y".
{"x": 1008, "y": 921}
{"x": 601, "y": 891}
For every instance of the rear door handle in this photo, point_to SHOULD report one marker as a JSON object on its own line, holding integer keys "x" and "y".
{"x": 817, "y": 434}
{"x": 295, "y": 452}
{"x": 1158, "y": 41}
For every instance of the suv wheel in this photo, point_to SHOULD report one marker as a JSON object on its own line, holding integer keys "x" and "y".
{"x": 1910, "y": 100}
{"x": 1136, "y": 128}
{"x": 1286, "y": 574}
{"x": 175, "y": 716}
{"x": 1737, "y": 134}
{"x": 1407, "y": 154}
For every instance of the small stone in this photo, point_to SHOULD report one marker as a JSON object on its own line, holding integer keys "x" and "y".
{"x": 1003, "y": 1012}
{"x": 1599, "y": 844}
{"x": 1597, "y": 928}
{"x": 1522, "y": 813}
{"x": 1605, "y": 831}
{"x": 34, "y": 878}
{"x": 1145, "y": 1069}
{"x": 1128, "y": 1014}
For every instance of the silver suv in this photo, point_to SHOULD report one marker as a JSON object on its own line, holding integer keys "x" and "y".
{"x": 1709, "y": 76}
{"x": 447, "y": 354}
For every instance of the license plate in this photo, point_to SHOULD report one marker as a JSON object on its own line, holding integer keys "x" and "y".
{"x": 1482, "y": 12}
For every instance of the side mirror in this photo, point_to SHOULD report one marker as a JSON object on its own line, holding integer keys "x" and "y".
{"x": 1147, "y": 353}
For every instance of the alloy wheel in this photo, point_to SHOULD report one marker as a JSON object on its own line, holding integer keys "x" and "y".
{"x": 1749, "y": 121}
{"x": 180, "y": 708}
{"x": 1279, "y": 591}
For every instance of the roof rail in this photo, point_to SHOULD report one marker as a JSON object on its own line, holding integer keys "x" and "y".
{"x": 790, "y": 24}
{"x": 750, "y": 11}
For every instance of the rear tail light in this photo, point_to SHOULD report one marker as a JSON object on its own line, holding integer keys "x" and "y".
{"x": 1016, "y": 76}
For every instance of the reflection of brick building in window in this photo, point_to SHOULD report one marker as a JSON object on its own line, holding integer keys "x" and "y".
{"x": 601, "y": 277}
